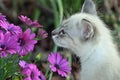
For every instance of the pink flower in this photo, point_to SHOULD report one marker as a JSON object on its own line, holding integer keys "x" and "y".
{"x": 31, "y": 71}
{"x": 2, "y": 17}
{"x": 27, "y": 42}
{"x": 42, "y": 34}
{"x": 59, "y": 64}
{"x": 10, "y": 28}
{"x": 29, "y": 22}
{"x": 8, "y": 44}
{"x": 22, "y": 63}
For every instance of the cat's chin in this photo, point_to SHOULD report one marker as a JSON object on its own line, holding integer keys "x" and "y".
{"x": 61, "y": 45}
{"x": 57, "y": 42}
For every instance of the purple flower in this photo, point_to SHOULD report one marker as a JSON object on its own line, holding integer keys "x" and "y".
{"x": 27, "y": 42}
{"x": 8, "y": 44}
{"x": 31, "y": 71}
{"x": 10, "y": 28}
{"x": 42, "y": 34}
{"x": 59, "y": 64}
{"x": 29, "y": 22}
{"x": 2, "y": 17}
{"x": 22, "y": 63}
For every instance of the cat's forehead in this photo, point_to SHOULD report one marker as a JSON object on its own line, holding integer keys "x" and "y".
{"x": 73, "y": 18}
{"x": 65, "y": 22}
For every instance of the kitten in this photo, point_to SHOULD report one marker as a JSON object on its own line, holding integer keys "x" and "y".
{"x": 87, "y": 36}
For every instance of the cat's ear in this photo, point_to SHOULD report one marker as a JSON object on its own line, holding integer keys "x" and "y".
{"x": 87, "y": 30}
{"x": 89, "y": 7}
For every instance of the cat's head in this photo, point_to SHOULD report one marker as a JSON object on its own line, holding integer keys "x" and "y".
{"x": 76, "y": 30}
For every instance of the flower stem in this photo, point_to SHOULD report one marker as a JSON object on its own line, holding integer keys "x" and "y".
{"x": 57, "y": 19}
{"x": 70, "y": 61}
{"x": 51, "y": 74}
{"x": 48, "y": 69}
{"x": 36, "y": 17}
{"x": 55, "y": 48}
{"x": 60, "y": 6}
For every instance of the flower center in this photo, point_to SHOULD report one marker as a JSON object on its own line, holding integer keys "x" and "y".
{"x": 3, "y": 30}
{"x": 21, "y": 41}
{"x": 32, "y": 75}
{"x": 9, "y": 29}
{"x": 2, "y": 46}
{"x": 57, "y": 66}
{"x": 40, "y": 77}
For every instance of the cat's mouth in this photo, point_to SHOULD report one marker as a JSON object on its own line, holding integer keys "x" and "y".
{"x": 57, "y": 39}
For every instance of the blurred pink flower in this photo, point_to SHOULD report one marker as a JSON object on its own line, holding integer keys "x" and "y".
{"x": 59, "y": 64}
{"x": 22, "y": 63}
{"x": 42, "y": 33}
{"x": 31, "y": 71}
{"x": 29, "y": 22}
{"x": 2, "y": 17}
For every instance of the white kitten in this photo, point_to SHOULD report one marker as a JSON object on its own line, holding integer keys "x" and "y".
{"x": 87, "y": 36}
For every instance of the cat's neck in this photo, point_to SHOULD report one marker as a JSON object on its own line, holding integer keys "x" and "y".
{"x": 105, "y": 50}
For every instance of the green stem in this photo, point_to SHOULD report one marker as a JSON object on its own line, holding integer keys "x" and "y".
{"x": 70, "y": 61}
{"x": 15, "y": 6}
{"x": 57, "y": 20}
{"x": 51, "y": 74}
{"x": 60, "y": 6}
{"x": 55, "y": 48}
{"x": 36, "y": 14}
{"x": 48, "y": 69}
{"x": 36, "y": 17}
{"x": 54, "y": 6}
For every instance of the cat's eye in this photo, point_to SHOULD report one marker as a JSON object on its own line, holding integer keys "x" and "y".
{"x": 62, "y": 32}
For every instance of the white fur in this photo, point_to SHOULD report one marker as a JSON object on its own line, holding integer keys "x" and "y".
{"x": 99, "y": 58}
{"x": 99, "y": 61}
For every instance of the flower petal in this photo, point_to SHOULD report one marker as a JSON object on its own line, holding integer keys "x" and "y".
{"x": 22, "y": 63}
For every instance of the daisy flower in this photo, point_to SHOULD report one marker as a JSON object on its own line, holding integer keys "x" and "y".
{"x": 10, "y": 28}
{"x": 29, "y": 22}
{"x": 2, "y": 17}
{"x": 27, "y": 42}
{"x": 59, "y": 64}
{"x": 42, "y": 34}
{"x": 31, "y": 71}
{"x": 8, "y": 44}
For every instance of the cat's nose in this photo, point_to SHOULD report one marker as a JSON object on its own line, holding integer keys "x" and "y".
{"x": 54, "y": 32}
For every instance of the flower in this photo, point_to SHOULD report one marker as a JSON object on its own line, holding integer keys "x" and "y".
{"x": 22, "y": 63}
{"x": 10, "y": 28}
{"x": 31, "y": 71}
{"x": 27, "y": 42}
{"x": 29, "y": 22}
{"x": 59, "y": 64}
{"x": 8, "y": 44}
{"x": 2, "y": 17}
{"x": 42, "y": 33}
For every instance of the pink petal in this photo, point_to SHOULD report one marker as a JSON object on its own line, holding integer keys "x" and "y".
{"x": 22, "y": 63}
{"x": 28, "y": 78}
{"x": 53, "y": 68}
{"x": 3, "y": 54}
{"x": 63, "y": 74}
